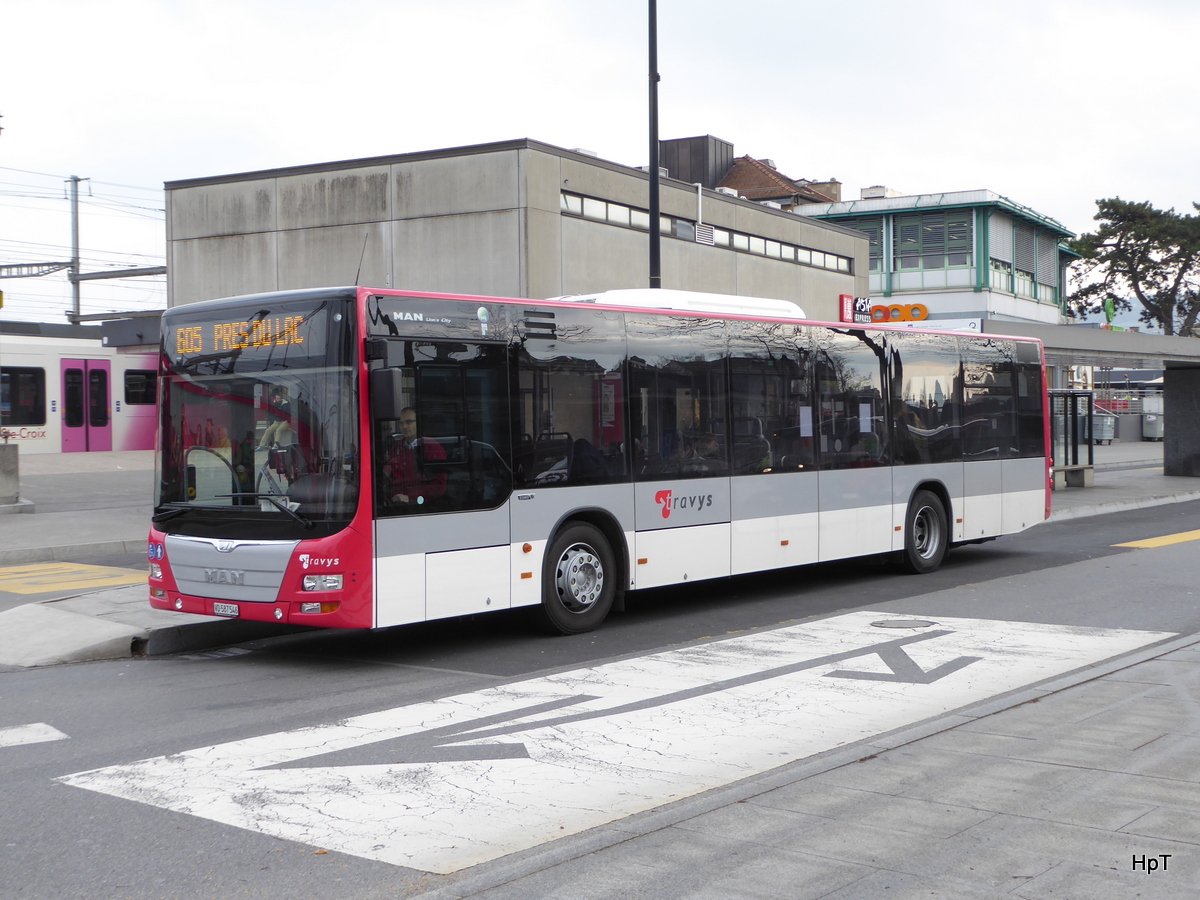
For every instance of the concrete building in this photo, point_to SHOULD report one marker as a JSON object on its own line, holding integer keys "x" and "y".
{"x": 966, "y": 256}
{"x": 516, "y": 218}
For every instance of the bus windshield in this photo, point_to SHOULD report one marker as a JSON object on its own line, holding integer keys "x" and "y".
{"x": 259, "y": 419}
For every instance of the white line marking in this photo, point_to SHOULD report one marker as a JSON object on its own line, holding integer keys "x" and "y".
{"x": 38, "y": 733}
{"x": 451, "y": 783}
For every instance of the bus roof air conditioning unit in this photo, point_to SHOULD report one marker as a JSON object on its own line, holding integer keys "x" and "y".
{"x": 696, "y": 301}
{"x": 727, "y": 191}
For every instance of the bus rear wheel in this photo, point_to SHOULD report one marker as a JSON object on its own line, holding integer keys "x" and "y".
{"x": 926, "y": 533}
{"x": 579, "y": 580}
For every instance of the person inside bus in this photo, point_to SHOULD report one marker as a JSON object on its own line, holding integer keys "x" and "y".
{"x": 408, "y": 484}
{"x": 277, "y": 416}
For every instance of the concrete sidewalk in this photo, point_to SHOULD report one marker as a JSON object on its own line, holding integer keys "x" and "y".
{"x": 101, "y": 502}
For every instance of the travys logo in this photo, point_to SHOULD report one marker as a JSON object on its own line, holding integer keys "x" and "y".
{"x": 306, "y": 560}
{"x": 668, "y": 501}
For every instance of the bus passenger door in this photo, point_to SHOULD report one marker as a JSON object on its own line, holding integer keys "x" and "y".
{"x": 86, "y": 405}
{"x": 442, "y": 481}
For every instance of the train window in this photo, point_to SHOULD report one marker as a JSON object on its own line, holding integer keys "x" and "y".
{"x": 140, "y": 387}
{"x": 22, "y": 396}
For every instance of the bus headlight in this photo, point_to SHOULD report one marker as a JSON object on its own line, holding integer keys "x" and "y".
{"x": 322, "y": 582}
{"x": 155, "y": 570}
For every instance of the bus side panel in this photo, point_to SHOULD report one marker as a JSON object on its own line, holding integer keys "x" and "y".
{"x": 535, "y": 513}
{"x": 1024, "y": 482}
{"x": 399, "y": 589}
{"x": 856, "y": 512}
{"x": 683, "y": 531}
{"x": 983, "y": 501}
{"x": 456, "y": 539}
{"x": 677, "y": 555}
{"x": 905, "y": 480}
{"x": 774, "y": 521}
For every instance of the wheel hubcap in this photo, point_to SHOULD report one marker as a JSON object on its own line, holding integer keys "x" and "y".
{"x": 579, "y": 578}
{"x": 927, "y": 533}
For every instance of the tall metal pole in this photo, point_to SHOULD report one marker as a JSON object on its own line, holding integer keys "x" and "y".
{"x": 655, "y": 218}
{"x": 75, "y": 179}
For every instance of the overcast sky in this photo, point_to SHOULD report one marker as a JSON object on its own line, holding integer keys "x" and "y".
{"x": 1053, "y": 103}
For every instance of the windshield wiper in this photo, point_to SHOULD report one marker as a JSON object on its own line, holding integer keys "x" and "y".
{"x": 172, "y": 510}
{"x": 274, "y": 500}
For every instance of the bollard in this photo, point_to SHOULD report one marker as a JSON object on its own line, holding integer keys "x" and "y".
{"x": 10, "y": 474}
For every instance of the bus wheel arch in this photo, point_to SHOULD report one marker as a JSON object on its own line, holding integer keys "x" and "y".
{"x": 581, "y": 577}
{"x": 926, "y": 530}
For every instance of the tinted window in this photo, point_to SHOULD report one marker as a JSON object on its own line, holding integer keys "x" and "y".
{"x": 772, "y": 423}
{"x": 22, "y": 396}
{"x": 925, "y": 405}
{"x": 677, "y": 397}
{"x": 140, "y": 387}
{"x": 571, "y": 416}
{"x": 848, "y": 375}
{"x": 1030, "y": 399}
{"x": 448, "y": 449}
{"x": 73, "y": 398}
{"x": 988, "y": 419}
{"x": 97, "y": 398}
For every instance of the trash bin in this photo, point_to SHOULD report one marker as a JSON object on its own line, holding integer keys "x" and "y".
{"x": 1152, "y": 427}
{"x": 1104, "y": 427}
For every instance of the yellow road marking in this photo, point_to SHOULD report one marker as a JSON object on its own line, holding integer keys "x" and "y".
{"x": 1165, "y": 541}
{"x": 46, "y": 577}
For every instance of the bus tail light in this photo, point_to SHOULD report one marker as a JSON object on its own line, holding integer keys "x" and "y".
{"x": 322, "y": 582}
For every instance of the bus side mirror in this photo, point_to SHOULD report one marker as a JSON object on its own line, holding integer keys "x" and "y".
{"x": 387, "y": 396}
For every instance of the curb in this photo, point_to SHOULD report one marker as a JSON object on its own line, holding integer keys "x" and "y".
{"x": 1100, "y": 509}
{"x": 68, "y": 551}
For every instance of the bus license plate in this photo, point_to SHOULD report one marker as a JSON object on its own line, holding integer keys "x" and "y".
{"x": 225, "y": 609}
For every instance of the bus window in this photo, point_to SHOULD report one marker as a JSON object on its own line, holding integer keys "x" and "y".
{"x": 988, "y": 413}
{"x": 677, "y": 397}
{"x": 853, "y": 423}
{"x": 449, "y": 449}
{"x": 926, "y": 377}
{"x": 570, "y": 374}
{"x": 1030, "y": 397}
{"x": 770, "y": 398}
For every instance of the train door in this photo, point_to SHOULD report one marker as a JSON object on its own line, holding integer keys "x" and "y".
{"x": 86, "y": 405}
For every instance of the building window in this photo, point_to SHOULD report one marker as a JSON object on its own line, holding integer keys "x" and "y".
{"x": 1001, "y": 275}
{"x": 684, "y": 229}
{"x": 933, "y": 240}
{"x": 873, "y": 229}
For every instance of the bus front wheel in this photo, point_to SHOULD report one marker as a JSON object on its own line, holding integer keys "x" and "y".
{"x": 579, "y": 580}
{"x": 926, "y": 533}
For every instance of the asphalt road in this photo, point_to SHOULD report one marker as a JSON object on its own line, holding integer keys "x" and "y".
{"x": 61, "y": 841}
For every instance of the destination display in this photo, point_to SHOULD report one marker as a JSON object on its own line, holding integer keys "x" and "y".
{"x": 222, "y": 337}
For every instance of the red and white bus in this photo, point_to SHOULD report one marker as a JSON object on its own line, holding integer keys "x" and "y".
{"x": 63, "y": 391}
{"x": 363, "y": 458}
